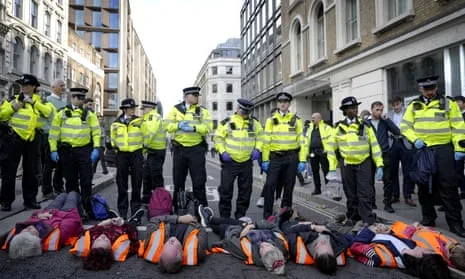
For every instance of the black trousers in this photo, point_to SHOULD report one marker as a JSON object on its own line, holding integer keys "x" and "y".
{"x": 401, "y": 154}
{"x": 77, "y": 170}
{"x": 459, "y": 165}
{"x": 357, "y": 182}
{"x": 29, "y": 150}
{"x": 101, "y": 158}
{"x": 49, "y": 184}
{"x": 445, "y": 182}
{"x": 283, "y": 168}
{"x": 129, "y": 163}
{"x": 153, "y": 172}
{"x": 220, "y": 225}
{"x": 244, "y": 174}
{"x": 192, "y": 160}
{"x": 315, "y": 161}
{"x": 387, "y": 177}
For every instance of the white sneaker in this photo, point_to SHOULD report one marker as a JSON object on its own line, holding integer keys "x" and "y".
{"x": 261, "y": 202}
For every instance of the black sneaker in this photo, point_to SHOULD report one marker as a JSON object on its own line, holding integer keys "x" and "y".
{"x": 112, "y": 213}
{"x": 205, "y": 213}
{"x": 137, "y": 216}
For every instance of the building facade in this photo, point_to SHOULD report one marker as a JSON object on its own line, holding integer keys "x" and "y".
{"x": 33, "y": 40}
{"x": 373, "y": 50}
{"x": 220, "y": 80}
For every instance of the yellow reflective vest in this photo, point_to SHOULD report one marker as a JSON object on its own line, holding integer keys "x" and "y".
{"x": 439, "y": 122}
{"x": 154, "y": 131}
{"x": 197, "y": 116}
{"x": 239, "y": 137}
{"x": 76, "y": 127}
{"x": 355, "y": 143}
{"x": 127, "y": 137}
{"x": 283, "y": 133}
{"x": 26, "y": 119}
{"x": 326, "y": 132}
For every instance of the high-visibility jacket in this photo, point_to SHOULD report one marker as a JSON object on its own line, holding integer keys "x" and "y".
{"x": 154, "y": 131}
{"x": 246, "y": 246}
{"x": 197, "y": 117}
{"x": 284, "y": 133}
{"x": 26, "y": 119}
{"x": 326, "y": 133}
{"x": 239, "y": 137}
{"x": 303, "y": 256}
{"x": 439, "y": 122}
{"x": 355, "y": 143}
{"x": 127, "y": 137}
{"x": 120, "y": 248}
{"x": 76, "y": 127}
{"x": 50, "y": 243}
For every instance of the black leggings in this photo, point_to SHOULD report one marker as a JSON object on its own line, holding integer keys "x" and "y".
{"x": 220, "y": 225}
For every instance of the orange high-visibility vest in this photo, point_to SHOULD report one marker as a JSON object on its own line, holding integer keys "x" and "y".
{"x": 304, "y": 257}
{"x": 50, "y": 243}
{"x": 246, "y": 246}
{"x": 387, "y": 258}
{"x": 398, "y": 228}
{"x": 120, "y": 248}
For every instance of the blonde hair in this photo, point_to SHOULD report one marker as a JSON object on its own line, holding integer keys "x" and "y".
{"x": 25, "y": 245}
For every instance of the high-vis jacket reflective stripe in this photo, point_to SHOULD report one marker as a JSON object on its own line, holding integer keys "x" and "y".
{"x": 283, "y": 239}
{"x": 50, "y": 243}
{"x": 386, "y": 257}
{"x": 190, "y": 250}
{"x": 10, "y": 235}
{"x": 246, "y": 246}
{"x": 120, "y": 248}
{"x": 304, "y": 257}
{"x": 82, "y": 247}
{"x": 127, "y": 138}
{"x": 154, "y": 131}
{"x": 236, "y": 137}
{"x": 155, "y": 245}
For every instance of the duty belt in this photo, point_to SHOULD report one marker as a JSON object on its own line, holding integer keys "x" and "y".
{"x": 283, "y": 153}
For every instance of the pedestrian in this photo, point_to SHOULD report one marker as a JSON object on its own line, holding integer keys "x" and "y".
{"x": 154, "y": 132}
{"x": 355, "y": 141}
{"x": 284, "y": 152}
{"x": 74, "y": 141}
{"x": 384, "y": 127}
{"x": 459, "y": 164}
{"x": 317, "y": 139}
{"x": 23, "y": 114}
{"x": 89, "y": 104}
{"x": 127, "y": 139}
{"x": 238, "y": 141}
{"x": 434, "y": 121}
{"x": 53, "y": 186}
{"x": 401, "y": 153}
{"x": 190, "y": 123}
{"x": 101, "y": 153}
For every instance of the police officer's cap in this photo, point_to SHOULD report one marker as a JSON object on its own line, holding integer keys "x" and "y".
{"x": 349, "y": 101}
{"x": 27, "y": 79}
{"x": 191, "y": 90}
{"x": 428, "y": 82}
{"x": 128, "y": 103}
{"x": 78, "y": 91}
{"x": 148, "y": 104}
{"x": 284, "y": 96}
{"x": 245, "y": 104}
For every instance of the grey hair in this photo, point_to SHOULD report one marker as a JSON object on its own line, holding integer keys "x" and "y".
{"x": 270, "y": 257}
{"x": 25, "y": 245}
{"x": 171, "y": 266}
{"x": 57, "y": 81}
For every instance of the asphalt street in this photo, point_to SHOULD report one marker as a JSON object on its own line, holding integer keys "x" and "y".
{"x": 61, "y": 264}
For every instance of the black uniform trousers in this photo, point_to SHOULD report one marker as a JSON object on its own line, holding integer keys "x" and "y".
{"x": 244, "y": 174}
{"x": 49, "y": 184}
{"x": 29, "y": 150}
{"x": 318, "y": 159}
{"x": 401, "y": 154}
{"x": 129, "y": 163}
{"x": 357, "y": 182}
{"x": 459, "y": 165}
{"x": 153, "y": 172}
{"x": 283, "y": 167}
{"x": 192, "y": 160}
{"x": 77, "y": 170}
{"x": 387, "y": 177}
{"x": 101, "y": 158}
{"x": 446, "y": 181}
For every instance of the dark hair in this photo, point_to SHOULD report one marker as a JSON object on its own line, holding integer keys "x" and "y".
{"x": 460, "y": 98}
{"x": 326, "y": 263}
{"x": 430, "y": 266}
{"x": 396, "y": 99}
{"x": 376, "y": 104}
{"x": 98, "y": 259}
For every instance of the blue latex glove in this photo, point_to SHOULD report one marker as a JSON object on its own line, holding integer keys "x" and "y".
{"x": 94, "y": 155}
{"x": 54, "y": 156}
{"x": 182, "y": 124}
{"x": 301, "y": 167}
{"x": 186, "y": 127}
{"x": 419, "y": 144}
{"x": 256, "y": 155}
{"x": 459, "y": 156}
{"x": 226, "y": 157}
{"x": 265, "y": 166}
{"x": 379, "y": 174}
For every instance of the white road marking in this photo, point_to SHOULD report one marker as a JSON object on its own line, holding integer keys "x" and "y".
{"x": 212, "y": 191}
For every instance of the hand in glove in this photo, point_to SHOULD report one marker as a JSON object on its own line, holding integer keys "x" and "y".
{"x": 187, "y": 219}
{"x": 379, "y": 174}
{"x": 459, "y": 156}
{"x": 54, "y": 156}
{"x": 182, "y": 124}
{"x": 94, "y": 155}
{"x": 226, "y": 157}
{"x": 265, "y": 166}
{"x": 301, "y": 167}
{"x": 256, "y": 154}
{"x": 332, "y": 176}
{"x": 419, "y": 144}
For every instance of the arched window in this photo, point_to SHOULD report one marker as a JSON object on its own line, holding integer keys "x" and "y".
{"x": 296, "y": 46}
{"x": 18, "y": 52}
{"x": 47, "y": 66}
{"x": 58, "y": 69}
{"x": 34, "y": 60}
{"x": 318, "y": 34}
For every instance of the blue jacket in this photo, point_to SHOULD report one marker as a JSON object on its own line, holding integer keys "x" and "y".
{"x": 382, "y": 133}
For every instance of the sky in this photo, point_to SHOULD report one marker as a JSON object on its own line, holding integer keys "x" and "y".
{"x": 178, "y": 36}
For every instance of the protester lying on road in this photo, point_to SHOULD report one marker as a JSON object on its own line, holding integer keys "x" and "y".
{"x": 47, "y": 229}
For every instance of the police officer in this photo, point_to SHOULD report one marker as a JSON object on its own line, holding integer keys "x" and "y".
{"x": 154, "y": 132}
{"x": 190, "y": 123}
{"x": 238, "y": 141}
{"x": 284, "y": 152}
{"x": 24, "y": 114}
{"x": 74, "y": 141}
{"x": 127, "y": 138}
{"x": 434, "y": 121}
{"x": 355, "y": 140}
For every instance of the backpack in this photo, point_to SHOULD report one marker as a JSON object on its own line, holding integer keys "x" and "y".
{"x": 160, "y": 203}
{"x": 99, "y": 207}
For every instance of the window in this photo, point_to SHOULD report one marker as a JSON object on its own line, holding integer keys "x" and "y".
{"x": 18, "y": 8}
{"x": 229, "y": 70}
{"x": 351, "y": 20}
{"x": 321, "y": 32}
{"x": 389, "y": 12}
{"x": 114, "y": 20}
{"x": 73, "y": 74}
{"x": 58, "y": 69}
{"x": 79, "y": 17}
{"x": 2, "y": 60}
{"x": 215, "y": 124}
{"x": 34, "y": 10}
{"x": 317, "y": 33}
{"x": 74, "y": 46}
{"x": 296, "y": 47}
{"x": 81, "y": 77}
{"x": 79, "y": 2}
{"x": 113, "y": 80}
{"x": 278, "y": 26}
{"x": 114, "y": 4}
{"x": 96, "y": 19}
{"x": 47, "y": 24}
{"x": 113, "y": 60}
{"x": 396, "y": 8}
{"x": 457, "y": 75}
{"x": 214, "y": 106}
{"x": 229, "y": 106}
{"x": 113, "y": 100}
{"x": 97, "y": 39}
{"x": 47, "y": 66}
{"x": 229, "y": 88}
{"x": 18, "y": 52}
{"x": 59, "y": 27}
{"x": 97, "y": 3}
{"x": 214, "y": 70}
{"x": 347, "y": 22}
{"x": 113, "y": 40}
{"x": 33, "y": 61}
{"x": 214, "y": 88}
